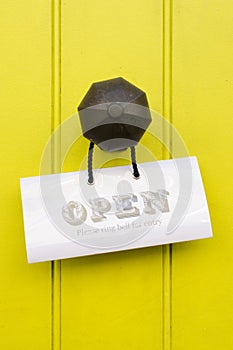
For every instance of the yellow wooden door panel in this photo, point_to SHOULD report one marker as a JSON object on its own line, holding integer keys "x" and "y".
{"x": 202, "y": 284}
{"x": 120, "y": 300}
{"x": 113, "y": 301}
{"x": 25, "y": 125}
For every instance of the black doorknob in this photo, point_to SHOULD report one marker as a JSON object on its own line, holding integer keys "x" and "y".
{"x": 114, "y": 115}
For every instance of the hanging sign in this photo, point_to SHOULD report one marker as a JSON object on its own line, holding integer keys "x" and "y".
{"x": 66, "y": 217}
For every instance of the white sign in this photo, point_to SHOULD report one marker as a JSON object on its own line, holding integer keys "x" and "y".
{"x": 66, "y": 217}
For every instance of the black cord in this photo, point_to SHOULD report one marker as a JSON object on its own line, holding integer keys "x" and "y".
{"x": 134, "y": 163}
{"x": 90, "y": 159}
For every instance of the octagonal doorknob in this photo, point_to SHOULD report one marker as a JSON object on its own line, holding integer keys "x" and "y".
{"x": 114, "y": 114}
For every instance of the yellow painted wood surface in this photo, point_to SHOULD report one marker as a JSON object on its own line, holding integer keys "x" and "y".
{"x": 180, "y": 52}
{"x": 25, "y": 125}
{"x": 112, "y": 301}
{"x": 202, "y": 283}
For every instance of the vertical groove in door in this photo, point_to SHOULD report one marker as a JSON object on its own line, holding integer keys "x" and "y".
{"x": 56, "y": 161}
{"x": 167, "y": 136}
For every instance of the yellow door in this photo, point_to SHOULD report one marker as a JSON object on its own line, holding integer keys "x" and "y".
{"x": 161, "y": 298}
